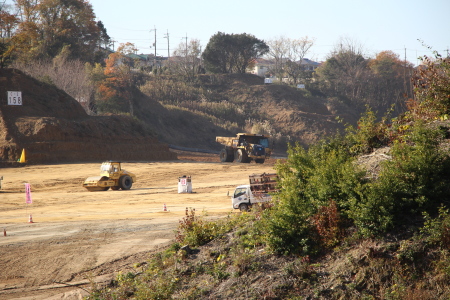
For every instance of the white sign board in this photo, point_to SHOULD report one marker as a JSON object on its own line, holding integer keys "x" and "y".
{"x": 300, "y": 86}
{"x": 14, "y": 98}
{"x": 267, "y": 80}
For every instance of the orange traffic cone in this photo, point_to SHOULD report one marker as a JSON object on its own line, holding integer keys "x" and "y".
{"x": 165, "y": 208}
{"x": 30, "y": 219}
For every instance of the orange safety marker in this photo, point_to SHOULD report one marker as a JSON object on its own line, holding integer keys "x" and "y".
{"x": 4, "y": 232}
{"x": 30, "y": 219}
{"x": 165, "y": 208}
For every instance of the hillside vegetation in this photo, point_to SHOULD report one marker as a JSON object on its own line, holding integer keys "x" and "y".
{"x": 242, "y": 103}
{"x": 191, "y": 112}
{"x": 190, "y": 109}
{"x": 338, "y": 229}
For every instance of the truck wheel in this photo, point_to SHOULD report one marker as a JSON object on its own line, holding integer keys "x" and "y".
{"x": 241, "y": 156}
{"x": 125, "y": 182}
{"x": 230, "y": 154}
{"x": 223, "y": 156}
{"x": 244, "y": 207}
{"x": 259, "y": 160}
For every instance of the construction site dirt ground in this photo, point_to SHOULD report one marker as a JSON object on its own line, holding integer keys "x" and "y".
{"x": 79, "y": 238}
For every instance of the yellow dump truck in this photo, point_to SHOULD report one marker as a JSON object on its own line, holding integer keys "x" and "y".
{"x": 245, "y": 147}
{"x": 111, "y": 176}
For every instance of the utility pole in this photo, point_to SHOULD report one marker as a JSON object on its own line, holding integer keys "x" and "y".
{"x": 154, "y": 44}
{"x": 404, "y": 75}
{"x": 168, "y": 44}
{"x": 112, "y": 42}
{"x": 186, "y": 45}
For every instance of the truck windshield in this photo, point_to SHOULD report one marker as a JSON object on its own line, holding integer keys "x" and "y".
{"x": 255, "y": 140}
{"x": 239, "y": 192}
{"x": 264, "y": 143}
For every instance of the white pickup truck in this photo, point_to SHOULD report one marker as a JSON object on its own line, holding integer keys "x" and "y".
{"x": 258, "y": 191}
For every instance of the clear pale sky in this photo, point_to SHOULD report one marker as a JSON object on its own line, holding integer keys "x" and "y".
{"x": 376, "y": 25}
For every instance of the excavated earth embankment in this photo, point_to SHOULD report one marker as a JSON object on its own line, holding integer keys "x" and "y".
{"x": 53, "y": 128}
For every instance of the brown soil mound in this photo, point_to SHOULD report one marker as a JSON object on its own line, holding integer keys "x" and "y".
{"x": 54, "y": 128}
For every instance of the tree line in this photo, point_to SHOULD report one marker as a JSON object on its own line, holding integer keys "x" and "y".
{"x": 45, "y": 34}
{"x": 35, "y": 30}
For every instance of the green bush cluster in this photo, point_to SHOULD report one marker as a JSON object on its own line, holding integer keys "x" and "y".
{"x": 368, "y": 134}
{"x": 310, "y": 179}
{"x": 414, "y": 181}
{"x": 195, "y": 231}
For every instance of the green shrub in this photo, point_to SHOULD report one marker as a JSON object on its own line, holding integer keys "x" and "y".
{"x": 195, "y": 231}
{"x": 415, "y": 180}
{"x": 310, "y": 180}
{"x": 437, "y": 230}
{"x": 368, "y": 135}
{"x": 371, "y": 213}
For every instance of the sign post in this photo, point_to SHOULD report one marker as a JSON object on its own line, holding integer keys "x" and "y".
{"x": 28, "y": 199}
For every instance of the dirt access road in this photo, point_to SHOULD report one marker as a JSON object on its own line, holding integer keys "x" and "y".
{"x": 79, "y": 237}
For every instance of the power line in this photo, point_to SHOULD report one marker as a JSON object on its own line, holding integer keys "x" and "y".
{"x": 128, "y": 29}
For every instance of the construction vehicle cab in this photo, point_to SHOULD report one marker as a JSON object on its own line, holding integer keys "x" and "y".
{"x": 245, "y": 147}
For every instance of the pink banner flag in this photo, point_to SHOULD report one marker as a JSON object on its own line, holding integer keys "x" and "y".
{"x": 28, "y": 199}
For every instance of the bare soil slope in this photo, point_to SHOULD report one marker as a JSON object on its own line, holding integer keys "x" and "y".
{"x": 178, "y": 126}
{"x": 53, "y": 127}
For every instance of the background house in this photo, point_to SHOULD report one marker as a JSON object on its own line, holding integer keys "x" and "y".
{"x": 261, "y": 67}
{"x": 309, "y": 64}
{"x": 265, "y": 67}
